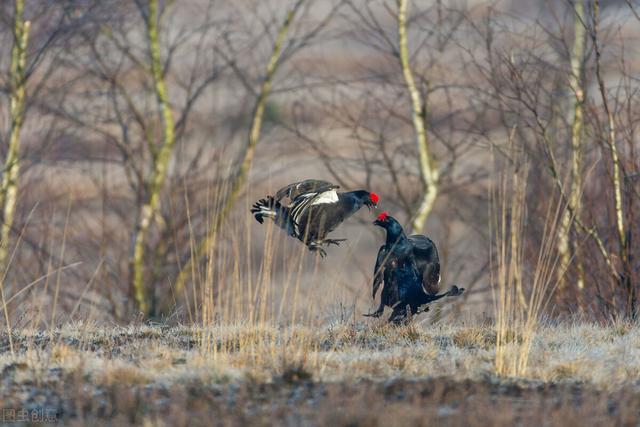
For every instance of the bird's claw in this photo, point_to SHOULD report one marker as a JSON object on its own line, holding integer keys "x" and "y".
{"x": 377, "y": 313}
{"x": 333, "y": 241}
{"x": 319, "y": 250}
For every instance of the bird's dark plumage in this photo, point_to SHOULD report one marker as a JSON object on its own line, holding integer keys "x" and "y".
{"x": 314, "y": 209}
{"x": 427, "y": 261}
{"x": 404, "y": 264}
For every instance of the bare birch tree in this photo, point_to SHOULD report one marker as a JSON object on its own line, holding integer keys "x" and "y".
{"x": 156, "y": 180}
{"x": 428, "y": 170}
{"x": 10, "y": 174}
{"x": 616, "y": 179}
{"x": 577, "y": 96}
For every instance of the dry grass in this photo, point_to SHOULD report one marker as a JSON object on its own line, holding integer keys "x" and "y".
{"x": 88, "y": 372}
{"x": 517, "y": 311}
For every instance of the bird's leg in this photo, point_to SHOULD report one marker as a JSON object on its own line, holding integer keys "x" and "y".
{"x": 399, "y": 314}
{"x": 314, "y": 247}
{"x": 331, "y": 242}
{"x": 376, "y": 313}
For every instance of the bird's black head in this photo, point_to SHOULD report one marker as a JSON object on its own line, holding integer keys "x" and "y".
{"x": 382, "y": 220}
{"x": 363, "y": 197}
{"x": 389, "y": 223}
{"x": 370, "y": 199}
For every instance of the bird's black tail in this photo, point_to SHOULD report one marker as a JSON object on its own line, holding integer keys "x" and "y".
{"x": 271, "y": 208}
{"x": 267, "y": 207}
{"x": 453, "y": 292}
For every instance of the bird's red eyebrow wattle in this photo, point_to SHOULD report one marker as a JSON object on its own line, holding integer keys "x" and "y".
{"x": 374, "y": 197}
{"x": 383, "y": 216}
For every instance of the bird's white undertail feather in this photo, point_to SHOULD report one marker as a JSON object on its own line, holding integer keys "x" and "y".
{"x": 326, "y": 197}
{"x": 265, "y": 211}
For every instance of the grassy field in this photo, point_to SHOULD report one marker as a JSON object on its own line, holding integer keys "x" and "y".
{"x": 354, "y": 373}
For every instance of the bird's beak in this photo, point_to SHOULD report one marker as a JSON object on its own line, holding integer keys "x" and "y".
{"x": 377, "y": 222}
{"x": 370, "y": 204}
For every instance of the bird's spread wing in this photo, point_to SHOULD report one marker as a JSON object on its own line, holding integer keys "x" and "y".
{"x": 427, "y": 261}
{"x": 306, "y": 194}
{"x": 316, "y": 186}
{"x": 377, "y": 272}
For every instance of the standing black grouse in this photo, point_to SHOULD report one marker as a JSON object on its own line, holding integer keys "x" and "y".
{"x": 315, "y": 209}
{"x": 397, "y": 265}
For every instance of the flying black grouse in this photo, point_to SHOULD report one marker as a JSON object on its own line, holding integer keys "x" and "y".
{"x": 405, "y": 264}
{"x": 314, "y": 209}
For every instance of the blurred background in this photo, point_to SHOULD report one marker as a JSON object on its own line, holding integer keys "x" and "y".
{"x": 135, "y": 135}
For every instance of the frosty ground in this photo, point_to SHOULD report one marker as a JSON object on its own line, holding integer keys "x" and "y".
{"x": 352, "y": 373}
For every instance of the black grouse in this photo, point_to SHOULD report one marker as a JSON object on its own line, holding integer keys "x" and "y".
{"x": 314, "y": 209}
{"x": 398, "y": 267}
